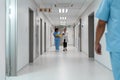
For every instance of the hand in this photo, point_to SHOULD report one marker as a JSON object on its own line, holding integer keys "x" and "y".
{"x": 98, "y": 48}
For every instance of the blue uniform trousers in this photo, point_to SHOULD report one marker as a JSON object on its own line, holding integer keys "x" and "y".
{"x": 115, "y": 61}
{"x": 57, "y": 43}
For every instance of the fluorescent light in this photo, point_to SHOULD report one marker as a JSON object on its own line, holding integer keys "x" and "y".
{"x": 66, "y": 10}
{"x": 63, "y": 18}
{"x": 63, "y": 10}
{"x": 60, "y": 10}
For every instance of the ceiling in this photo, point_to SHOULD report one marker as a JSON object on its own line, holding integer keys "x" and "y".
{"x": 75, "y": 9}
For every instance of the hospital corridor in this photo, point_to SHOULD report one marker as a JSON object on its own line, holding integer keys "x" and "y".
{"x": 51, "y": 40}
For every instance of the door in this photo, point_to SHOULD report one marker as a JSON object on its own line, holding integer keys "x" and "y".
{"x": 91, "y": 35}
{"x": 41, "y": 36}
{"x": 80, "y": 35}
{"x": 31, "y": 37}
{"x": 45, "y": 37}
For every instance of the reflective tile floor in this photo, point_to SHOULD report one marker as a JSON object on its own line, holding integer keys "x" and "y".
{"x": 70, "y": 65}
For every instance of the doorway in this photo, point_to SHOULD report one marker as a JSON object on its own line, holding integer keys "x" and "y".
{"x": 91, "y": 35}
{"x": 31, "y": 37}
{"x": 45, "y": 37}
{"x": 80, "y": 35}
{"x": 41, "y": 37}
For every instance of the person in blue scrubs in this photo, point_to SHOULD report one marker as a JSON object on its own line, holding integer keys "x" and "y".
{"x": 57, "y": 39}
{"x": 109, "y": 16}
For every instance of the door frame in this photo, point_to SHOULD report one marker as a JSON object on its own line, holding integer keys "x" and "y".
{"x": 11, "y": 38}
{"x": 91, "y": 35}
{"x": 45, "y": 26}
{"x": 41, "y": 35}
{"x": 31, "y": 35}
{"x": 80, "y": 35}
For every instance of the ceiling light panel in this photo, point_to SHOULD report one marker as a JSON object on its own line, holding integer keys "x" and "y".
{"x": 60, "y": 10}
{"x": 63, "y": 18}
{"x": 66, "y": 11}
{"x": 63, "y": 10}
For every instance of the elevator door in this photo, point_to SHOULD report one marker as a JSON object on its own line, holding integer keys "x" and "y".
{"x": 41, "y": 36}
{"x": 45, "y": 37}
{"x": 91, "y": 35}
{"x": 80, "y": 36}
{"x": 31, "y": 37}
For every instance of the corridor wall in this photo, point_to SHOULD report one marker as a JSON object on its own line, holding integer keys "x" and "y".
{"x": 23, "y": 31}
{"x": 70, "y": 35}
{"x": 48, "y": 35}
{"x": 76, "y": 36}
{"x": 52, "y": 37}
{"x": 104, "y": 58}
{"x": 48, "y": 26}
{"x": 2, "y": 40}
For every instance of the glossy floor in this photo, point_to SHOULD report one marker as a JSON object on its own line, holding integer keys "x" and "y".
{"x": 70, "y": 65}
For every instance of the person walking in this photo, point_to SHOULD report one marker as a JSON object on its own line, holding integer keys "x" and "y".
{"x": 57, "y": 39}
{"x": 109, "y": 14}
{"x": 65, "y": 40}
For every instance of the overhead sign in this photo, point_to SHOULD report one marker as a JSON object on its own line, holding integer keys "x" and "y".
{"x": 45, "y": 9}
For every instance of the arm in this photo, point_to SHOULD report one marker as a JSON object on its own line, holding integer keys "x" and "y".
{"x": 99, "y": 32}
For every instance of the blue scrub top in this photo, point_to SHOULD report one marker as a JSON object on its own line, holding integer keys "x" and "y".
{"x": 56, "y": 33}
{"x": 109, "y": 11}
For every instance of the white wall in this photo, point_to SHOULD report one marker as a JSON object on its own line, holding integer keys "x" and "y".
{"x": 48, "y": 25}
{"x": 76, "y": 36}
{"x": 2, "y": 40}
{"x": 70, "y": 35}
{"x": 23, "y": 32}
{"x": 48, "y": 35}
{"x": 52, "y": 37}
{"x": 104, "y": 58}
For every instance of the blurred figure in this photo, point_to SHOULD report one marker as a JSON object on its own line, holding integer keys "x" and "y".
{"x": 65, "y": 39}
{"x": 57, "y": 39}
{"x": 108, "y": 14}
